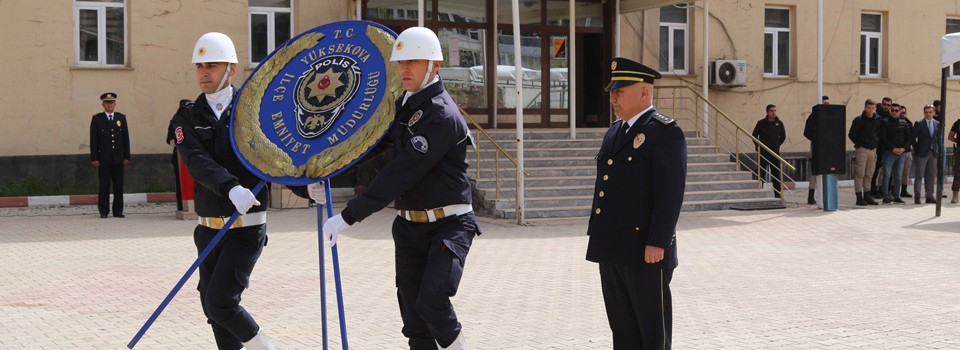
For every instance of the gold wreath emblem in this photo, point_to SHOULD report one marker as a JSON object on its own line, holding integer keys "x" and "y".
{"x": 269, "y": 157}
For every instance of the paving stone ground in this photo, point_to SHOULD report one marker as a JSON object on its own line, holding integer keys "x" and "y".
{"x": 882, "y": 277}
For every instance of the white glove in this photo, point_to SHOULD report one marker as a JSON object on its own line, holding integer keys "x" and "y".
{"x": 333, "y": 228}
{"x": 243, "y": 199}
{"x": 317, "y": 192}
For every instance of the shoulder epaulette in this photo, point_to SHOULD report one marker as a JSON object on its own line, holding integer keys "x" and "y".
{"x": 663, "y": 119}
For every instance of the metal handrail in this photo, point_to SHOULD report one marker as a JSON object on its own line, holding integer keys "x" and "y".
{"x": 783, "y": 164}
{"x": 496, "y": 157}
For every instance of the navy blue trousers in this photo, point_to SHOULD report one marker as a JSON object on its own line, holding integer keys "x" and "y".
{"x": 224, "y": 275}
{"x": 639, "y": 306}
{"x": 429, "y": 263}
{"x": 110, "y": 177}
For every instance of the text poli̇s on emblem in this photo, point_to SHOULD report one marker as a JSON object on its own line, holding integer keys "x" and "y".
{"x": 323, "y": 91}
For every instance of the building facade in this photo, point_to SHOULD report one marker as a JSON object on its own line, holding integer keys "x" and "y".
{"x": 59, "y": 56}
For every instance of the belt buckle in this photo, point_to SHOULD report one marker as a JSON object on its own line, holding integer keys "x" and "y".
{"x": 438, "y": 213}
{"x": 419, "y": 216}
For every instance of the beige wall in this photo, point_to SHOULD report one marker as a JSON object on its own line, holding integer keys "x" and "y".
{"x": 46, "y": 100}
{"x": 910, "y": 59}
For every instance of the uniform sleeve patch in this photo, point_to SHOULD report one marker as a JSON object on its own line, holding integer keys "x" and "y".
{"x": 179, "y": 133}
{"x": 420, "y": 144}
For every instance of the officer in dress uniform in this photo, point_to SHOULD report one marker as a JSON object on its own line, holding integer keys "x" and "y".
{"x": 427, "y": 180}
{"x": 202, "y": 136}
{"x": 109, "y": 153}
{"x": 641, "y": 174}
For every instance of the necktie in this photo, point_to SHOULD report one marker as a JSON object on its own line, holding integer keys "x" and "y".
{"x": 110, "y": 117}
{"x": 930, "y": 126}
{"x": 621, "y": 133}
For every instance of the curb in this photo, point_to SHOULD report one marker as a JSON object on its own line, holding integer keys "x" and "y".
{"x": 84, "y": 199}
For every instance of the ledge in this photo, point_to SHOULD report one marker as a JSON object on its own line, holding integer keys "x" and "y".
{"x": 84, "y": 199}
{"x": 122, "y": 68}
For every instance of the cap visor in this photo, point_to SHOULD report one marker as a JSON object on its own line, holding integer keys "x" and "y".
{"x": 616, "y": 84}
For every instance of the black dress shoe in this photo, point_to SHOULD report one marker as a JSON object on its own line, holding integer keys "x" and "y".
{"x": 916, "y": 200}
{"x": 931, "y": 200}
{"x": 119, "y": 216}
{"x": 103, "y": 216}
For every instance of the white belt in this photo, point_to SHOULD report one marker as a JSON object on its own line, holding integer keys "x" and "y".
{"x": 432, "y": 215}
{"x": 250, "y": 219}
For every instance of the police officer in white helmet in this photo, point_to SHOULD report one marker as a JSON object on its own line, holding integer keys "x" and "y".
{"x": 202, "y": 134}
{"x": 427, "y": 180}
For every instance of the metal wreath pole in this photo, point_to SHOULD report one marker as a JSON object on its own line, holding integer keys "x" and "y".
{"x": 336, "y": 274}
{"x": 186, "y": 275}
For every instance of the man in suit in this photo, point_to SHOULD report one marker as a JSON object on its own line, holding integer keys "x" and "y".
{"x": 109, "y": 153}
{"x": 641, "y": 175}
{"x": 924, "y": 137}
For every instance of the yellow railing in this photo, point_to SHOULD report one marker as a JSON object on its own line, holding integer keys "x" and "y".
{"x": 694, "y": 112}
{"x": 500, "y": 151}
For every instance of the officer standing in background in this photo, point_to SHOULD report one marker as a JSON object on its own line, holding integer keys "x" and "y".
{"x": 202, "y": 134}
{"x": 109, "y": 153}
{"x": 427, "y": 180}
{"x": 641, "y": 176}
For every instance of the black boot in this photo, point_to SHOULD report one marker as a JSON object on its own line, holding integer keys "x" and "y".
{"x": 860, "y": 200}
{"x": 904, "y": 193}
{"x": 869, "y": 199}
{"x": 810, "y": 199}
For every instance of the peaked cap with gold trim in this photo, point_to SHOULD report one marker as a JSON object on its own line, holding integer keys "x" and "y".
{"x": 624, "y": 72}
{"x": 108, "y": 97}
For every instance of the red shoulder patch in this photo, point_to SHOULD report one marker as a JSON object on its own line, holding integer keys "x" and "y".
{"x": 179, "y": 133}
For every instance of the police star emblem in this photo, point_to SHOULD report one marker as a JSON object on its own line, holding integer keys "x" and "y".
{"x": 201, "y": 51}
{"x": 637, "y": 141}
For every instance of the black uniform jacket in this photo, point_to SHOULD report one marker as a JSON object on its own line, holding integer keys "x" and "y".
{"x": 771, "y": 133}
{"x": 109, "y": 140}
{"x": 864, "y": 131}
{"x": 639, "y": 191}
{"x": 204, "y": 144}
{"x": 895, "y": 133}
{"x": 429, "y": 168}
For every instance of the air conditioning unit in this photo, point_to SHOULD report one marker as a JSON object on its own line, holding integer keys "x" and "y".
{"x": 728, "y": 73}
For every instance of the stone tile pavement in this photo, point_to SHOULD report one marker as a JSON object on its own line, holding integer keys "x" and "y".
{"x": 878, "y": 278}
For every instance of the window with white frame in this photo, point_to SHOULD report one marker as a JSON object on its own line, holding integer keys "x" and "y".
{"x": 871, "y": 39}
{"x": 776, "y": 42}
{"x": 271, "y": 24}
{"x": 101, "y": 32}
{"x": 953, "y": 26}
{"x": 673, "y": 39}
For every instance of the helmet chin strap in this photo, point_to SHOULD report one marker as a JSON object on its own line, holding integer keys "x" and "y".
{"x": 426, "y": 76}
{"x": 223, "y": 81}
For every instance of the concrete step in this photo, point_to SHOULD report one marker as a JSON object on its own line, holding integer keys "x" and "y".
{"x": 697, "y": 186}
{"x": 532, "y": 134}
{"x": 583, "y": 211}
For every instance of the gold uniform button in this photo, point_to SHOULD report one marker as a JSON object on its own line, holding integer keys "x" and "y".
{"x": 637, "y": 228}
{"x": 629, "y": 159}
{"x": 605, "y": 177}
{"x": 601, "y": 194}
{"x": 609, "y": 161}
{"x": 598, "y": 211}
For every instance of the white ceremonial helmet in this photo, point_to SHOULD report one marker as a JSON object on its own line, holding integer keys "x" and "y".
{"x": 214, "y": 47}
{"x": 417, "y": 43}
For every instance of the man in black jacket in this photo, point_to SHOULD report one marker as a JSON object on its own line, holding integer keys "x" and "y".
{"x": 863, "y": 134}
{"x": 202, "y": 133}
{"x": 109, "y": 153}
{"x": 771, "y": 133}
{"x": 895, "y": 143}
